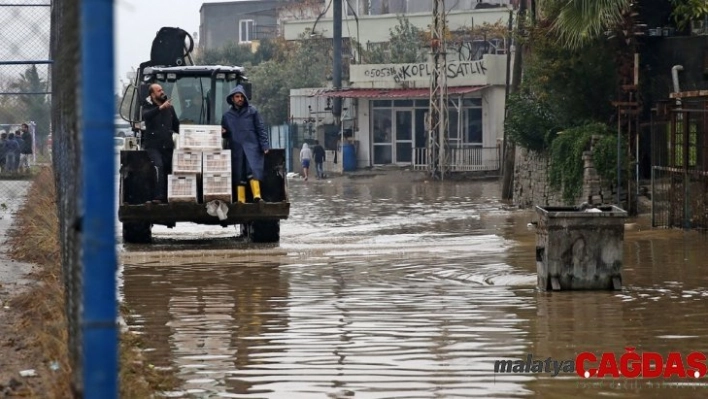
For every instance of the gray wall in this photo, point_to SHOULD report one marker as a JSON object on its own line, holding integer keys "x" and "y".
{"x": 379, "y": 7}
{"x": 219, "y": 22}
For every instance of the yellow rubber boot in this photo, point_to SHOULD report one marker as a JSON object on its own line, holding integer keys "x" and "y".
{"x": 256, "y": 190}
{"x": 241, "y": 194}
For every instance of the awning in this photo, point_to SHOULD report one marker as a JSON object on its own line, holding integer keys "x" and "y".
{"x": 396, "y": 93}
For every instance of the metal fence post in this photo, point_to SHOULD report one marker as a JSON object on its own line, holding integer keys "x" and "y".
{"x": 653, "y": 196}
{"x": 99, "y": 321}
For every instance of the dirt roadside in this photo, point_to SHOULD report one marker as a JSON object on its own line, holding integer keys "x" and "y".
{"x": 33, "y": 327}
{"x": 17, "y": 353}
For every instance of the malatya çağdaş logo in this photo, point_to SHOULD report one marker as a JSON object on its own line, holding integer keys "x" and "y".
{"x": 630, "y": 364}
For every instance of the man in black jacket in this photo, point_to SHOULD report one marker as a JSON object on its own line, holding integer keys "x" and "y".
{"x": 26, "y": 150}
{"x": 160, "y": 123}
{"x": 318, "y": 153}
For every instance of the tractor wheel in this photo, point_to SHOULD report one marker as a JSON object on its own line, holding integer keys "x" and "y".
{"x": 137, "y": 233}
{"x": 264, "y": 231}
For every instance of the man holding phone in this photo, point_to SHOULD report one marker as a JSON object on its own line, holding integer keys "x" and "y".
{"x": 160, "y": 123}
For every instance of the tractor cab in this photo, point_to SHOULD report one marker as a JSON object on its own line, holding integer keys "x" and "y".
{"x": 198, "y": 93}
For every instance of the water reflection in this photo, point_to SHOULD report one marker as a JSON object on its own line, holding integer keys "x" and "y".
{"x": 208, "y": 319}
{"x": 660, "y": 309}
{"x": 393, "y": 290}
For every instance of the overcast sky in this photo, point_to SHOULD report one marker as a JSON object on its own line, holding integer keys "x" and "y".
{"x": 137, "y": 22}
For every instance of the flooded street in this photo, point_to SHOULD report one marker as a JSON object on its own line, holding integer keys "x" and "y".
{"x": 381, "y": 289}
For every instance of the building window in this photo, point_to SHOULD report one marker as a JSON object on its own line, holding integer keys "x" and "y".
{"x": 382, "y": 7}
{"x": 246, "y": 31}
{"x": 452, "y": 117}
{"x": 474, "y": 126}
{"x": 382, "y": 126}
{"x": 381, "y": 103}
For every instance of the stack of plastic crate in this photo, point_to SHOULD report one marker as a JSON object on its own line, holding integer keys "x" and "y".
{"x": 187, "y": 160}
{"x": 216, "y": 165}
{"x": 186, "y": 168}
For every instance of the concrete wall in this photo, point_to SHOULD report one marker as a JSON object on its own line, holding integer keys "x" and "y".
{"x": 363, "y": 154}
{"x": 219, "y": 22}
{"x": 379, "y": 7}
{"x": 375, "y": 28}
{"x": 493, "y": 103}
{"x": 490, "y": 70}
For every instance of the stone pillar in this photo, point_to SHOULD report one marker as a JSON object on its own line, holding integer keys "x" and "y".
{"x": 591, "y": 181}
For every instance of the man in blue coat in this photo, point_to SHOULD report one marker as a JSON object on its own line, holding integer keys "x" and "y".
{"x": 243, "y": 127}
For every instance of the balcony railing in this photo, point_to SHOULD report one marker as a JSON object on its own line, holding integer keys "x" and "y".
{"x": 468, "y": 159}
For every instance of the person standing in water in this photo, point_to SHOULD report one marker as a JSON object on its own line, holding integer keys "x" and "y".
{"x": 243, "y": 127}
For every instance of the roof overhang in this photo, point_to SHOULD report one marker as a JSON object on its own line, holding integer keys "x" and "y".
{"x": 396, "y": 93}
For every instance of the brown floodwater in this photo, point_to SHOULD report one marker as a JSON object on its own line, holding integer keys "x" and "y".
{"x": 383, "y": 289}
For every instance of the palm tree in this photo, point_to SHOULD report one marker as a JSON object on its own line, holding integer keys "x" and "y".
{"x": 579, "y": 22}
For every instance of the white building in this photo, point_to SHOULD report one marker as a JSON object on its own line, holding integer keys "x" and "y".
{"x": 386, "y": 105}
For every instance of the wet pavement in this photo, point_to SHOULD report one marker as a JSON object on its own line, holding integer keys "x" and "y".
{"x": 385, "y": 289}
{"x": 13, "y": 274}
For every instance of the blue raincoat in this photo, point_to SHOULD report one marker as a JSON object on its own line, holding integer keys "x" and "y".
{"x": 247, "y": 138}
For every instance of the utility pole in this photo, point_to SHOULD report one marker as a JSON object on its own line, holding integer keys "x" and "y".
{"x": 337, "y": 60}
{"x": 438, "y": 114}
{"x": 509, "y": 152}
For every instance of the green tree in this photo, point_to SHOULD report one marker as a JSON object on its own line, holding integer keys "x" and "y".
{"x": 34, "y": 105}
{"x": 405, "y": 43}
{"x": 376, "y": 53}
{"x": 405, "y": 46}
{"x": 562, "y": 88}
{"x": 579, "y": 22}
{"x": 276, "y": 67}
{"x": 685, "y": 11}
{"x": 7, "y": 106}
{"x": 302, "y": 64}
{"x": 576, "y": 84}
{"x": 230, "y": 54}
{"x": 529, "y": 122}
{"x": 270, "y": 88}
{"x": 269, "y": 49}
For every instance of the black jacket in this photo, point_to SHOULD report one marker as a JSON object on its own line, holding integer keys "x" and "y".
{"x": 319, "y": 154}
{"x": 27, "y": 145}
{"x": 159, "y": 126}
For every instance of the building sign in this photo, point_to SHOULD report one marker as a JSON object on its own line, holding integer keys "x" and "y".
{"x": 471, "y": 72}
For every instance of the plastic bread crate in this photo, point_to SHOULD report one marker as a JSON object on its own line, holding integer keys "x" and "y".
{"x": 187, "y": 162}
{"x": 182, "y": 188}
{"x": 217, "y": 186}
{"x": 200, "y": 137}
{"x": 216, "y": 161}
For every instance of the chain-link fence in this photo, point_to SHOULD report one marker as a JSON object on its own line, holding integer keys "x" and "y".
{"x": 66, "y": 149}
{"x": 33, "y": 32}
{"x": 24, "y": 96}
{"x": 40, "y": 72}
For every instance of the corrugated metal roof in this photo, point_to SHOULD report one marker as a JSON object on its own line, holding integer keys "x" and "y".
{"x": 395, "y": 93}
